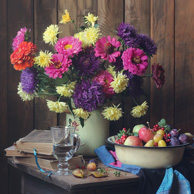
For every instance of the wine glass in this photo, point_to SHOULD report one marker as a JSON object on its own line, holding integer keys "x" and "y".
{"x": 65, "y": 144}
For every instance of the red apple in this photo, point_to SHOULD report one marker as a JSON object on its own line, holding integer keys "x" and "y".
{"x": 146, "y": 134}
{"x": 133, "y": 141}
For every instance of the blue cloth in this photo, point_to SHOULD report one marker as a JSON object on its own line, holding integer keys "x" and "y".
{"x": 159, "y": 181}
{"x": 106, "y": 157}
{"x": 174, "y": 182}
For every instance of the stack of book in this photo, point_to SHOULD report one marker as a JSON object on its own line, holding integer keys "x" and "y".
{"x": 22, "y": 151}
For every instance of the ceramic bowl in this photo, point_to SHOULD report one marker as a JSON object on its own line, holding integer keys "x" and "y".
{"x": 148, "y": 157}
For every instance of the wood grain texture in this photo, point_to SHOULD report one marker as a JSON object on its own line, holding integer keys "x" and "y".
{"x": 20, "y": 114}
{"x": 45, "y": 14}
{"x": 184, "y": 65}
{"x": 162, "y": 31}
{"x": 137, "y": 13}
{"x": 3, "y": 97}
{"x": 71, "y": 6}
{"x": 110, "y": 14}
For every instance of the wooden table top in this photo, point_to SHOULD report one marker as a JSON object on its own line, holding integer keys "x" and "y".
{"x": 71, "y": 183}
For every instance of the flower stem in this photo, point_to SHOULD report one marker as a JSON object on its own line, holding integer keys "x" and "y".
{"x": 148, "y": 75}
{"x": 74, "y": 25}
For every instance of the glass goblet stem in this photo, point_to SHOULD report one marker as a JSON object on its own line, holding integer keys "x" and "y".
{"x": 63, "y": 167}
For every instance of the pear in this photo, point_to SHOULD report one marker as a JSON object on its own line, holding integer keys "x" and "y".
{"x": 150, "y": 143}
{"x": 190, "y": 136}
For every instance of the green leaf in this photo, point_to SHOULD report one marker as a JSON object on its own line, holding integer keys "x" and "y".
{"x": 81, "y": 121}
{"x": 82, "y": 27}
{"x": 70, "y": 107}
{"x": 135, "y": 134}
{"x": 96, "y": 25}
{"x": 70, "y": 121}
{"x": 162, "y": 123}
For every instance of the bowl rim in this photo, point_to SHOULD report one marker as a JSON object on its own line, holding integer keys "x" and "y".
{"x": 140, "y": 147}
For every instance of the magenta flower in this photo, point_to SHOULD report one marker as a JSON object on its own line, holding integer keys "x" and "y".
{"x": 60, "y": 65}
{"x": 158, "y": 75}
{"x": 135, "y": 61}
{"x": 68, "y": 46}
{"x": 20, "y": 37}
{"x": 105, "y": 78}
{"x": 105, "y": 48}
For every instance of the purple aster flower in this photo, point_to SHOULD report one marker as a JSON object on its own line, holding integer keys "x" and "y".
{"x": 87, "y": 63}
{"x": 88, "y": 95}
{"x": 129, "y": 34}
{"x": 147, "y": 44}
{"x": 29, "y": 80}
{"x": 134, "y": 85}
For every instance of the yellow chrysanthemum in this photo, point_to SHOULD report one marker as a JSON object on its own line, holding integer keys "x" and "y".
{"x": 65, "y": 18}
{"x": 66, "y": 90}
{"x": 140, "y": 110}
{"x": 91, "y": 19}
{"x": 50, "y": 34}
{"x": 120, "y": 82}
{"x": 79, "y": 112}
{"x": 80, "y": 35}
{"x": 24, "y": 96}
{"x": 112, "y": 71}
{"x": 112, "y": 113}
{"x": 91, "y": 35}
{"x": 43, "y": 59}
{"x": 58, "y": 107}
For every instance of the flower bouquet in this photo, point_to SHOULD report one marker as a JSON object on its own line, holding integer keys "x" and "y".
{"x": 88, "y": 71}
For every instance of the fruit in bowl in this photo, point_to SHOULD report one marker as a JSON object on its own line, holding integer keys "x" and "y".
{"x": 133, "y": 141}
{"x": 151, "y": 148}
{"x": 146, "y": 134}
{"x": 162, "y": 135}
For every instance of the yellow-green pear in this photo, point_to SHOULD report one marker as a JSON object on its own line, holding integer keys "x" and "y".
{"x": 150, "y": 143}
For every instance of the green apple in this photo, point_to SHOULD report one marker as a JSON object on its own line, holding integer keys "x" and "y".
{"x": 136, "y": 128}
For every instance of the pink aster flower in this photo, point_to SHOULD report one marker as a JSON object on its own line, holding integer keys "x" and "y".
{"x": 105, "y": 78}
{"x": 60, "y": 65}
{"x": 135, "y": 61}
{"x": 105, "y": 48}
{"x": 68, "y": 46}
{"x": 20, "y": 37}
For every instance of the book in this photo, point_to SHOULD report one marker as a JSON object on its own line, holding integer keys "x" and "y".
{"x": 49, "y": 164}
{"x": 41, "y": 140}
{"x": 12, "y": 151}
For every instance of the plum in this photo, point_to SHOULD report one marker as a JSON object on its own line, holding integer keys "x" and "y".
{"x": 174, "y": 133}
{"x": 174, "y": 141}
{"x": 93, "y": 161}
{"x": 183, "y": 138}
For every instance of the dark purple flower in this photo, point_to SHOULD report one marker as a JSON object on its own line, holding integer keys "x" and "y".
{"x": 147, "y": 44}
{"x": 29, "y": 80}
{"x": 134, "y": 85}
{"x": 158, "y": 75}
{"x": 88, "y": 95}
{"x": 119, "y": 63}
{"x": 86, "y": 63}
{"x": 129, "y": 34}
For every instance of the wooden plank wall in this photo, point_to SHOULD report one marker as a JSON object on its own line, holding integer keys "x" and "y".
{"x": 169, "y": 23}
